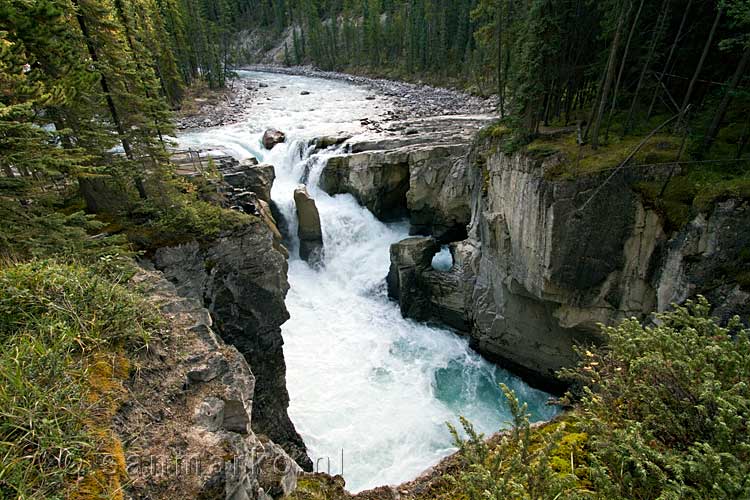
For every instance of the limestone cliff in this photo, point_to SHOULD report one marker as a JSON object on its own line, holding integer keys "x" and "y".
{"x": 547, "y": 258}
{"x": 428, "y": 184}
{"x": 241, "y": 279}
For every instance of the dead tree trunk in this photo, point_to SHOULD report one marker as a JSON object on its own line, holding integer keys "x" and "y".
{"x": 713, "y": 130}
{"x": 701, "y": 62}
{"x": 669, "y": 58}
{"x": 652, "y": 49}
{"x": 622, "y": 67}
{"x": 611, "y": 64}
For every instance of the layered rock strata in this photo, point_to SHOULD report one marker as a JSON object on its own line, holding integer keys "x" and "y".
{"x": 186, "y": 422}
{"x": 539, "y": 260}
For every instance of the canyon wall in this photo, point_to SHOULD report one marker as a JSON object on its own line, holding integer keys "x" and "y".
{"x": 187, "y": 422}
{"x": 241, "y": 279}
{"x": 541, "y": 259}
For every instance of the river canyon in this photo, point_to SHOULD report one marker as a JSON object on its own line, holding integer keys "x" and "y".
{"x": 369, "y": 390}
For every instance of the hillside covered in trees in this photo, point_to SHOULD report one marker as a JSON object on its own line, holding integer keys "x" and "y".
{"x": 551, "y": 62}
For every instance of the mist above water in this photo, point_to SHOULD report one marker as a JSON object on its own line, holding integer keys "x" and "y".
{"x": 361, "y": 378}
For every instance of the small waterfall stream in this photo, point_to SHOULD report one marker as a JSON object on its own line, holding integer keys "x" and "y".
{"x": 363, "y": 381}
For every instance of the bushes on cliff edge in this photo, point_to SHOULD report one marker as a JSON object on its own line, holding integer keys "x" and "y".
{"x": 663, "y": 412}
{"x": 63, "y": 333}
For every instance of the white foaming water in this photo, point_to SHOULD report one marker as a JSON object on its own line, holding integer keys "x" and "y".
{"x": 361, "y": 378}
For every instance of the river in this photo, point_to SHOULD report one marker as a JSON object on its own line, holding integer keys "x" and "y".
{"x": 364, "y": 383}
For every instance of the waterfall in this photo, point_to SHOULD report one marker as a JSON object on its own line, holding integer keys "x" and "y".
{"x": 364, "y": 382}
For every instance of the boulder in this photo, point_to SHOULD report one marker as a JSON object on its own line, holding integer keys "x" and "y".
{"x": 272, "y": 137}
{"x": 309, "y": 231}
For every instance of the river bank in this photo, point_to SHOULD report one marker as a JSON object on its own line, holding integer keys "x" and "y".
{"x": 404, "y": 101}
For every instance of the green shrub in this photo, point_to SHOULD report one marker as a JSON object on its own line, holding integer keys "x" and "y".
{"x": 668, "y": 407}
{"x": 518, "y": 467}
{"x": 178, "y": 215}
{"x": 662, "y": 412}
{"x": 35, "y": 231}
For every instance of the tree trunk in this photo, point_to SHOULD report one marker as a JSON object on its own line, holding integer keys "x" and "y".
{"x": 500, "y": 73}
{"x": 669, "y": 58}
{"x": 108, "y": 95}
{"x": 713, "y": 130}
{"x": 701, "y": 62}
{"x": 622, "y": 68}
{"x": 654, "y": 42}
{"x": 610, "y": 77}
{"x": 744, "y": 140}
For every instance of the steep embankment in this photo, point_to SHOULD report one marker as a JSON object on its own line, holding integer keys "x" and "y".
{"x": 241, "y": 278}
{"x": 209, "y": 405}
{"x": 189, "y": 421}
{"x": 540, "y": 258}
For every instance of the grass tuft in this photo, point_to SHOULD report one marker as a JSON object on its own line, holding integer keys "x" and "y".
{"x": 63, "y": 329}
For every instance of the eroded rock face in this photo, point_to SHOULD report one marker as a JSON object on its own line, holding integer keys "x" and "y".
{"x": 428, "y": 183}
{"x": 424, "y": 293}
{"x": 309, "y": 230}
{"x": 440, "y": 187}
{"x": 547, "y": 260}
{"x": 378, "y": 180}
{"x": 241, "y": 279}
{"x": 187, "y": 422}
{"x": 272, "y": 137}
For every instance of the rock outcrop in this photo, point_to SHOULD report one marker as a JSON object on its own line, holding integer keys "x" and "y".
{"x": 241, "y": 279}
{"x": 549, "y": 259}
{"x": 309, "y": 231}
{"x": 272, "y": 137}
{"x": 187, "y": 420}
{"x": 248, "y": 175}
{"x": 429, "y": 184}
{"x": 424, "y": 293}
{"x": 378, "y": 180}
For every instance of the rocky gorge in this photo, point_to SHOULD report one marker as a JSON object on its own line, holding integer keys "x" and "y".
{"x": 538, "y": 261}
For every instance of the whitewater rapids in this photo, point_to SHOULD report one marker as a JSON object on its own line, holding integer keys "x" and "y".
{"x": 364, "y": 383}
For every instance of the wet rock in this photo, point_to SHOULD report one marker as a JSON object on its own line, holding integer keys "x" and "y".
{"x": 309, "y": 230}
{"x": 409, "y": 259}
{"x": 272, "y": 137}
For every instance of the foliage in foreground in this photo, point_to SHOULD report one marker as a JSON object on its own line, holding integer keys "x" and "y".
{"x": 663, "y": 413}
{"x": 64, "y": 330}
